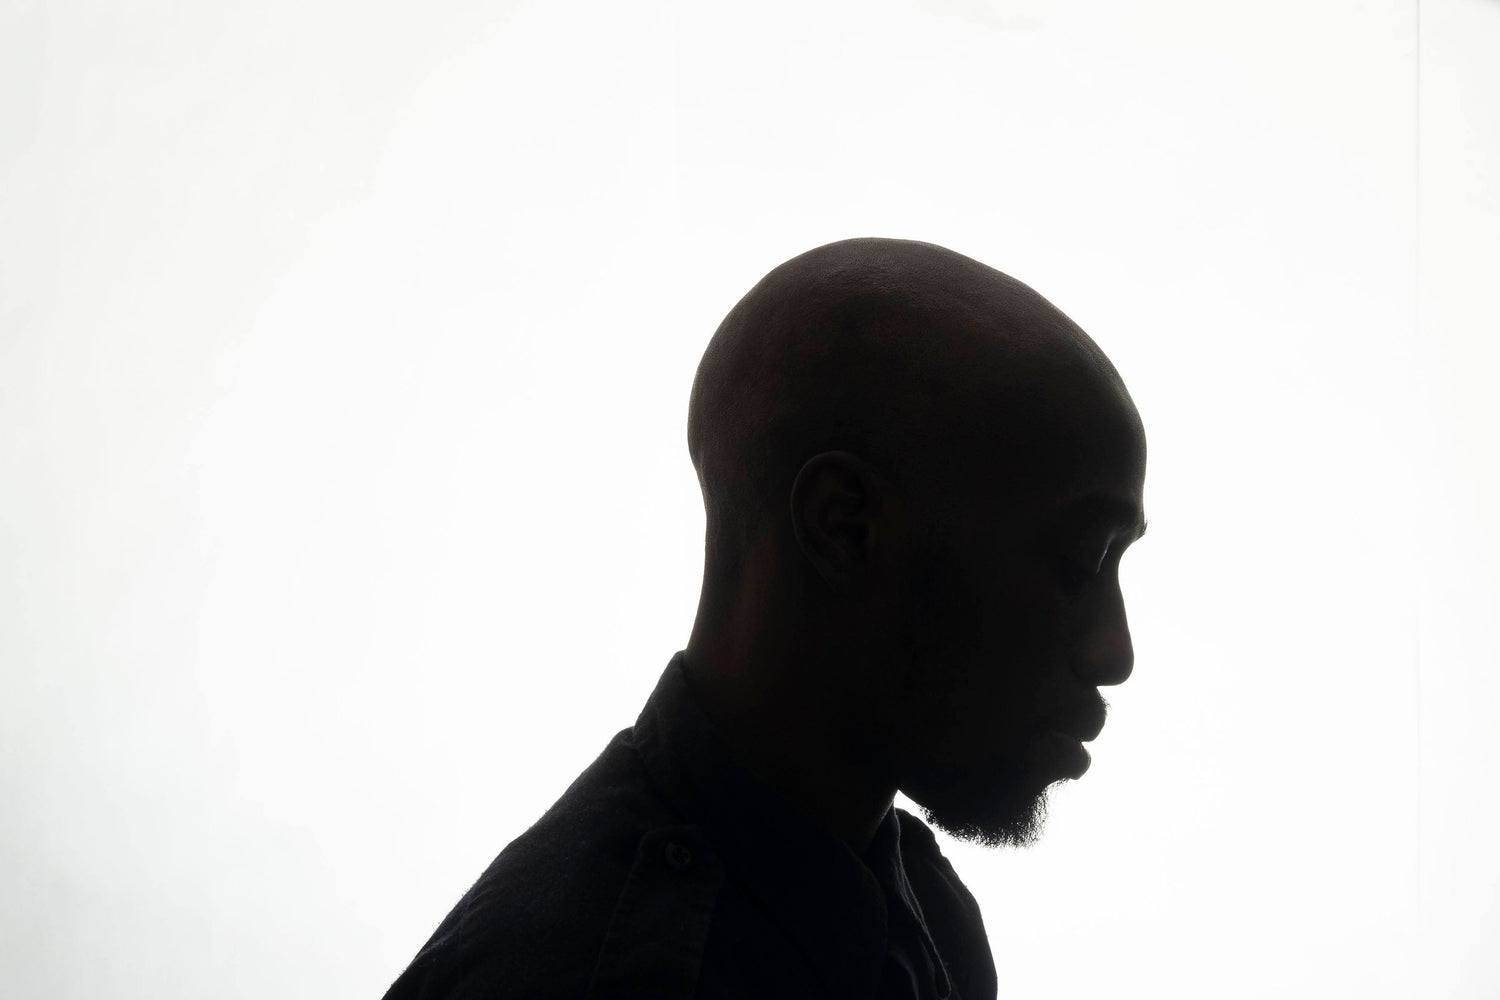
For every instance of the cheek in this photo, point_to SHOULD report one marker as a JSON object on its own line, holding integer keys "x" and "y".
{"x": 980, "y": 713}
{"x": 1036, "y": 626}
{"x": 994, "y": 709}
{"x": 978, "y": 648}
{"x": 977, "y": 735}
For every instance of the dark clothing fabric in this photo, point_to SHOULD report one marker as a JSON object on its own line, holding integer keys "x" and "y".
{"x": 667, "y": 870}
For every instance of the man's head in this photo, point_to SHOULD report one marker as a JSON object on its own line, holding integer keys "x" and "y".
{"x": 919, "y": 477}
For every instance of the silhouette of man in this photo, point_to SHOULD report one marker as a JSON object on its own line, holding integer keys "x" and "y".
{"x": 919, "y": 478}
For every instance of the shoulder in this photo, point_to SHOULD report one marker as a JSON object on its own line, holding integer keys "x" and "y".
{"x": 659, "y": 926}
{"x": 607, "y": 871}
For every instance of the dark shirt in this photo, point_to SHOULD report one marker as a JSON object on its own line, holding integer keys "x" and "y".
{"x": 668, "y": 870}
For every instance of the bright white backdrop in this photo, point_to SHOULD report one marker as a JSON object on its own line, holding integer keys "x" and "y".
{"x": 345, "y": 508}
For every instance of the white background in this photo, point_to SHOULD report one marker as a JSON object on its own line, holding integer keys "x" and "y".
{"x": 346, "y": 512}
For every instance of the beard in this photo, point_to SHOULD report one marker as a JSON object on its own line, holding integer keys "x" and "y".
{"x": 1007, "y": 812}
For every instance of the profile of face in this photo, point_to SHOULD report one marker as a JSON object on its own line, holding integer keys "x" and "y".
{"x": 1015, "y": 619}
{"x": 934, "y": 604}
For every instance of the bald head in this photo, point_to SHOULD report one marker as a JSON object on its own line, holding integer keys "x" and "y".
{"x": 941, "y": 371}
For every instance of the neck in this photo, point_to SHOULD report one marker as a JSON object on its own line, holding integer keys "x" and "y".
{"x": 772, "y": 704}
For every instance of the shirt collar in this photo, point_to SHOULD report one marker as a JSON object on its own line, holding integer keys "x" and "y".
{"x": 884, "y": 859}
{"x": 805, "y": 876}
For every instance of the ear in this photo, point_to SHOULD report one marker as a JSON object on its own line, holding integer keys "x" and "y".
{"x": 837, "y": 500}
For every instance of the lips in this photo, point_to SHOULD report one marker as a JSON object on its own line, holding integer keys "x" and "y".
{"x": 1059, "y": 755}
{"x": 1085, "y": 725}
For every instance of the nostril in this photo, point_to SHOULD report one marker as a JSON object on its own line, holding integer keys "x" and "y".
{"x": 1105, "y": 673}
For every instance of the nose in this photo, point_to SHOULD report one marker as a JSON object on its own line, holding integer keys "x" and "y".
{"x": 1106, "y": 656}
{"x": 1113, "y": 668}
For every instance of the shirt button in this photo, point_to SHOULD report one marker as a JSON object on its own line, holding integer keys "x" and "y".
{"x": 679, "y": 857}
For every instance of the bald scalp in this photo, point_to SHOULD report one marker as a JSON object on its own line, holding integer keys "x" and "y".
{"x": 947, "y": 375}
